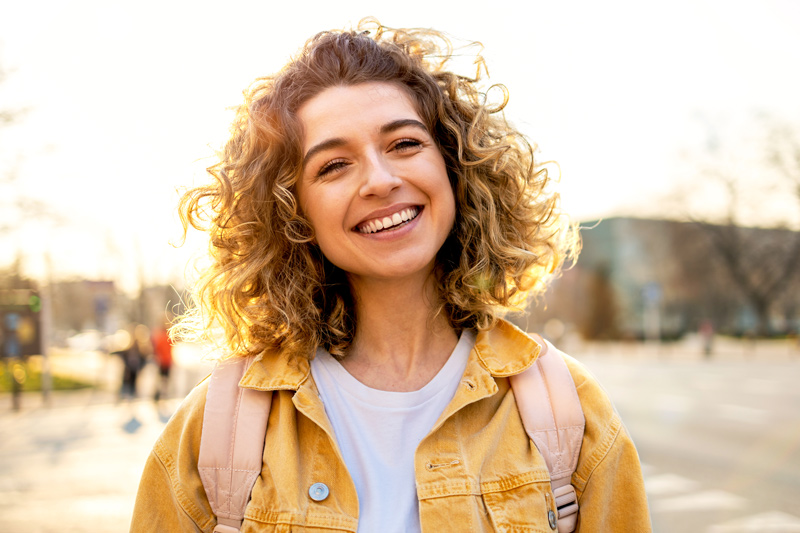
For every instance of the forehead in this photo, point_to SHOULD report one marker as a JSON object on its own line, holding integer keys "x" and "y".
{"x": 362, "y": 107}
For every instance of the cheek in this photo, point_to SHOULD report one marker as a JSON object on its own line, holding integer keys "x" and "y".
{"x": 326, "y": 218}
{"x": 311, "y": 204}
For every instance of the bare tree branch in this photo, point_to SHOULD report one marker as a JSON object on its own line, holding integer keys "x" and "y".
{"x": 760, "y": 264}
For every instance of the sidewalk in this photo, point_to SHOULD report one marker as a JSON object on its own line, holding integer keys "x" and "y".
{"x": 75, "y": 467}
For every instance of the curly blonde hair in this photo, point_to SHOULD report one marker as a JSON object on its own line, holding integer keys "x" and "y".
{"x": 270, "y": 288}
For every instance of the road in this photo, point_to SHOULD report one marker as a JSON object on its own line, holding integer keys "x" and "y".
{"x": 719, "y": 440}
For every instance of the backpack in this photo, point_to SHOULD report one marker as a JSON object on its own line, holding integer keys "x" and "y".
{"x": 235, "y": 426}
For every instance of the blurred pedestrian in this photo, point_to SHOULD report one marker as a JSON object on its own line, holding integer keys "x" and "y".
{"x": 707, "y": 337}
{"x": 162, "y": 353}
{"x": 134, "y": 357}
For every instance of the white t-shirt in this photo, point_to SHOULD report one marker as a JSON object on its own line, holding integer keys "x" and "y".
{"x": 378, "y": 433}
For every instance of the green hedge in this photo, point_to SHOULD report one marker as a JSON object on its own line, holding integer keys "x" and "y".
{"x": 31, "y": 378}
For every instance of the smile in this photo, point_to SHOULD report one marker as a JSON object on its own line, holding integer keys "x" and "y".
{"x": 398, "y": 219}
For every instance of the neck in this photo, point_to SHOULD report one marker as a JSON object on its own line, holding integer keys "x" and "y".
{"x": 398, "y": 345}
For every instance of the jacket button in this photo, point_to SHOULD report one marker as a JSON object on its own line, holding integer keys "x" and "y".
{"x": 551, "y": 517}
{"x": 318, "y": 492}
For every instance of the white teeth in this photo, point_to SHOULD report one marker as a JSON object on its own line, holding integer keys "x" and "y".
{"x": 387, "y": 222}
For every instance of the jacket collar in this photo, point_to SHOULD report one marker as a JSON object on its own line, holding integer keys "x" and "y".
{"x": 506, "y": 350}
{"x": 503, "y": 351}
{"x": 281, "y": 370}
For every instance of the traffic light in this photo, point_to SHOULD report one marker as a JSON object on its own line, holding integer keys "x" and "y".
{"x": 20, "y": 311}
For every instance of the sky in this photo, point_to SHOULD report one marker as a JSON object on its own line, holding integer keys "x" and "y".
{"x": 125, "y": 101}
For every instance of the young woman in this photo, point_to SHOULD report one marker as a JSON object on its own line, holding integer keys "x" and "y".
{"x": 370, "y": 217}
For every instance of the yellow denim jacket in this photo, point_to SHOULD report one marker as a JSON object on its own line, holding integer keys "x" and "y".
{"x": 477, "y": 470}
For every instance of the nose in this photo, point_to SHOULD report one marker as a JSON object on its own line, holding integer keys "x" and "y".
{"x": 379, "y": 178}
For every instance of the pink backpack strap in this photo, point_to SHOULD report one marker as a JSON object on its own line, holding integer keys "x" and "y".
{"x": 557, "y": 430}
{"x": 232, "y": 442}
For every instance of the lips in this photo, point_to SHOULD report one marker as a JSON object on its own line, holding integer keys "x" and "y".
{"x": 394, "y": 220}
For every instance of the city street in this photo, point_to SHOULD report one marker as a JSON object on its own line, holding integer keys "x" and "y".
{"x": 719, "y": 439}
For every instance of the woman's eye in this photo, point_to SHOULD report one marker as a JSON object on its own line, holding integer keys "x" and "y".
{"x": 404, "y": 145}
{"x": 331, "y": 166}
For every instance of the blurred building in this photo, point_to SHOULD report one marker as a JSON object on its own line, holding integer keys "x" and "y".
{"x": 640, "y": 278}
{"x": 81, "y": 305}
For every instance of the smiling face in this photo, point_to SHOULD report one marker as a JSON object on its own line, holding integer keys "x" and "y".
{"x": 374, "y": 184}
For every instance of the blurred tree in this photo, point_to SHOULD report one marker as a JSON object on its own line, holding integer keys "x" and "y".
{"x": 7, "y": 176}
{"x": 600, "y": 313}
{"x": 16, "y": 207}
{"x": 760, "y": 266}
{"x": 9, "y": 199}
{"x": 783, "y": 153}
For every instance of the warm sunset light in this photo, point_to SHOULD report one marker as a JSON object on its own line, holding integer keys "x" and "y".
{"x": 673, "y": 129}
{"x": 123, "y": 107}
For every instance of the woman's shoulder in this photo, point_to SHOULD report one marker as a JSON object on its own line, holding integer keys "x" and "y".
{"x": 594, "y": 399}
{"x": 604, "y": 433}
{"x": 171, "y": 488}
{"x": 178, "y": 446}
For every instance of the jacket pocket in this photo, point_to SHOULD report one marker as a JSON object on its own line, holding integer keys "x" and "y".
{"x": 518, "y": 505}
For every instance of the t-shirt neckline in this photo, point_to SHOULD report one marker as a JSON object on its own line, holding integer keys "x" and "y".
{"x": 451, "y": 370}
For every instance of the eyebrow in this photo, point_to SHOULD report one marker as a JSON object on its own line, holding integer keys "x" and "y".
{"x": 401, "y": 123}
{"x": 386, "y": 128}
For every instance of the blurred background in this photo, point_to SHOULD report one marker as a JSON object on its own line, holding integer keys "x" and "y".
{"x": 676, "y": 128}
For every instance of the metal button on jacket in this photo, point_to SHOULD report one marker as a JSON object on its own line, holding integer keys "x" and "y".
{"x": 318, "y": 491}
{"x": 551, "y": 517}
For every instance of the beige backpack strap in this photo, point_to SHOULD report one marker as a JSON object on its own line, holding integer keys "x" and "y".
{"x": 232, "y": 442}
{"x": 557, "y": 430}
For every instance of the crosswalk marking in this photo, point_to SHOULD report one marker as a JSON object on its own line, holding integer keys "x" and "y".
{"x": 672, "y": 407}
{"x": 704, "y": 500}
{"x": 672, "y": 493}
{"x": 665, "y": 484}
{"x": 741, "y": 413}
{"x": 761, "y": 386}
{"x": 769, "y": 522}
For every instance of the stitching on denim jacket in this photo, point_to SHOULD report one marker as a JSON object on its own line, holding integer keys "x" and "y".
{"x": 609, "y": 437}
{"x": 434, "y": 466}
{"x": 164, "y": 457}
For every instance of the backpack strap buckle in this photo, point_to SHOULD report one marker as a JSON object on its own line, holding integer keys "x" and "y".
{"x": 567, "y": 505}
{"x": 222, "y": 528}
